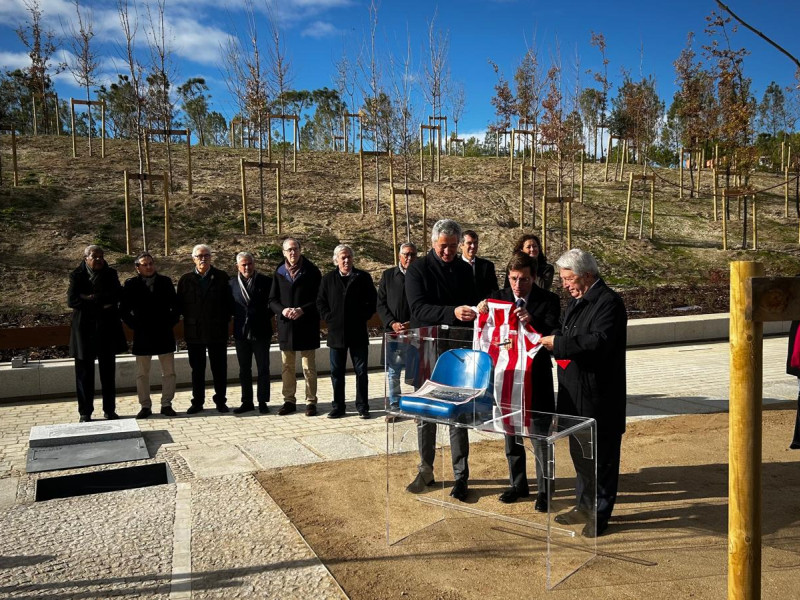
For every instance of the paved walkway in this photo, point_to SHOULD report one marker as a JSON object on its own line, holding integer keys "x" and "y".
{"x": 217, "y": 534}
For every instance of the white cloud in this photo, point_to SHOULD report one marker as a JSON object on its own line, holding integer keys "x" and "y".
{"x": 14, "y": 60}
{"x": 319, "y": 29}
{"x": 197, "y": 42}
{"x": 465, "y": 135}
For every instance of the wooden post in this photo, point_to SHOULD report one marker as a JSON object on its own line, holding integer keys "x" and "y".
{"x": 244, "y": 195}
{"x": 361, "y": 177}
{"x": 608, "y": 156}
{"x": 785, "y": 188}
{"x": 628, "y": 207}
{"x": 393, "y": 209}
{"x": 72, "y": 125}
{"x": 127, "y": 215}
{"x": 147, "y": 159}
{"x": 166, "y": 214}
{"x": 278, "y": 198}
{"x": 714, "y": 173}
{"x": 755, "y": 224}
{"x": 725, "y": 219}
{"x": 680, "y": 171}
{"x": 580, "y": 196}
{"x": 189, "y": 158}
{"x": 744, "y": 479}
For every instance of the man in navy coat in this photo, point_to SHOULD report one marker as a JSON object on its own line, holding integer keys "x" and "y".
{"x": 252, "y": 330}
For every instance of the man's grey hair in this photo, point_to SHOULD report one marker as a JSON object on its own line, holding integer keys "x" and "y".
{"x": 291, "y": 239}
{"x": 199, "y": 247}
{"x": 341, "y": 248}
{"x": 91, "y": 248}
{"x": 579, "y": 262}
{"x": 242, "y": 255}
{"x": 411, "y": 245}
{"x": 445, "y": 227}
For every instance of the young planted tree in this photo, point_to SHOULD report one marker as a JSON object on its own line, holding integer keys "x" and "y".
{"x": 598, "y": 40}
{"x": 121, "y": 107}
{"x": 459, "y": 100}
{"x": 437, "y": 73}
{"x": 591, "y": 102}
{"x": 505, "y": 105}
{"x": 41, "y": 45}
{"x": 529, "y": 85}
{"x": 194, "y": 104}
{"x": 84, "y": 63}
{"x": 553, "y": 126}
{"x": 344, "y": 78}
{"x": 635, "y": 113}
{"x": 278, "y": 74}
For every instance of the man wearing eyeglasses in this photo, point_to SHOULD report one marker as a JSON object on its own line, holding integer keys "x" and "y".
{"x": 395, "y": 316}
{"x": 149, "y": 307}
{"x": 205, "y": 301}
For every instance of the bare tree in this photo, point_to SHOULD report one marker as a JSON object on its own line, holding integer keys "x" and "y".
{"x": 160, "y": 76}
{"x": 345, "y": 83}
{"x": 136, "y": 73}
{"x": 278, "y": 74}
{"x": 459, "y": 103}
{"x": 84, "y": 64}
{"x": 598, "y": 40}
{"x": 436, "y": 72}
{"x": 41, "y": 45}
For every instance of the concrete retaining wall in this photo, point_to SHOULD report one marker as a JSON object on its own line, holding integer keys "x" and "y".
{"x": 54, "y": 378}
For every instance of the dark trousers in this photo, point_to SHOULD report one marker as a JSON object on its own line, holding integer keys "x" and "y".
{"x": 84, "y": 383}
{"x": 245, "y": 351}
{"x": 796, "y": 438}
{"x": 459, "y": 450}
{"x": 516, "y": 457}
{"x": 218, "y": 357}
{"x": 358, "y": 354}
{"x": 608, "y": 452}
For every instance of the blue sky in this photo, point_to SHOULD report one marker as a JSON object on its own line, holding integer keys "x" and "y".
{"x": 643, "y": 37}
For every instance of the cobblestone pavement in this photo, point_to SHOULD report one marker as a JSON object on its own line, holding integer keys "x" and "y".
{"x": 227, "y": 538}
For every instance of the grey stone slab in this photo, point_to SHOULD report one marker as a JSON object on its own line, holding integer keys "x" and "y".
{"x": 51, "y": 458}
{"x": 338, "y": 446}
{"x": 213, "y": 462}
{"x": 279, "y": 452}
{"x": 8, "y": 491}
{"x": 81, "y": 433}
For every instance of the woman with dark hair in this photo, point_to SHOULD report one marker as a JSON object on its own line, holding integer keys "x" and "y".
{"x": 529, "y": 244}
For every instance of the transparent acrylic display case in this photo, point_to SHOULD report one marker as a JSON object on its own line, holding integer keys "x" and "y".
{"x": 435, "y": 376}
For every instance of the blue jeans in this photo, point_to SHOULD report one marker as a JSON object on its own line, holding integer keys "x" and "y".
{"x": 245, "y": 351}
{"x": 396, "y": 353}
{"x": 358, "y": 354}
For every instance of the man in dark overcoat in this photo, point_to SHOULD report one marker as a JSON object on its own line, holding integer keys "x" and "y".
{"x": 96, "y": 330}
{"x": 483, "y": 270}
{"x": 541, "y": 310}
{"x": 395, "y": 315}
{"x": 592, "y": 383}
{"x": 150, "y": 309}
{"x": 293, "y": 299}
{"x": 252, "y": 330}
{"x": 441, "y": 291}
{"x": 205, "y": 301}
{"x": 346, "y": 301}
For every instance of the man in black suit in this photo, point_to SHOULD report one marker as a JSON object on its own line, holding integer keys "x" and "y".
{"x": 395, "y": 315}
{"x": 540, "y": 309}
{"x": 252, "y": 330}
{"x": 346, "y": 301}
{"x": 96, "y": 331}
{"x": 482, "y": 270}
{"x": 150, "y": 308}
{"x": 592, "y": 339}
{"x": 441, "y": 291}
{"x": 205, "y": 301}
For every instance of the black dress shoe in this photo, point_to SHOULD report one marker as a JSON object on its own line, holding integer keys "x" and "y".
{"x": 194, "y": 409}
{"x": 459, "y": 491}
{"x": 511, "y": 495}
{"x": 541, "y": 503}
{"x": 263, "y": 408}
{"x": 419, "y": 484}
{"x": 85, "y": 419}
{"x": 168, "y": 411}
{"x": 590, "y": 530}
{"x": 576, "y": 516}
{"x": 111, "y": 416}
{"x": 223, "y": 408}
{"x": 311, "y": 410}
{"x": 364, "y": 414}
{"x": 287, "y": 409}
{"x": 337, "y": 412}
{"x": 245, "y": 407}
{"x": 144, "y": 413}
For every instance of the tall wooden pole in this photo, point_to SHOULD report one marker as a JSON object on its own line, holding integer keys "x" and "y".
{"x": 744, "y": 478}
{"x": 72, "y": 125}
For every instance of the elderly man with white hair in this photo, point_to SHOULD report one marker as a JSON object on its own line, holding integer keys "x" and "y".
{"x": 346, "y": 300}
{"x": 205, "y": 301}
{"x": 590, "y": 351}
